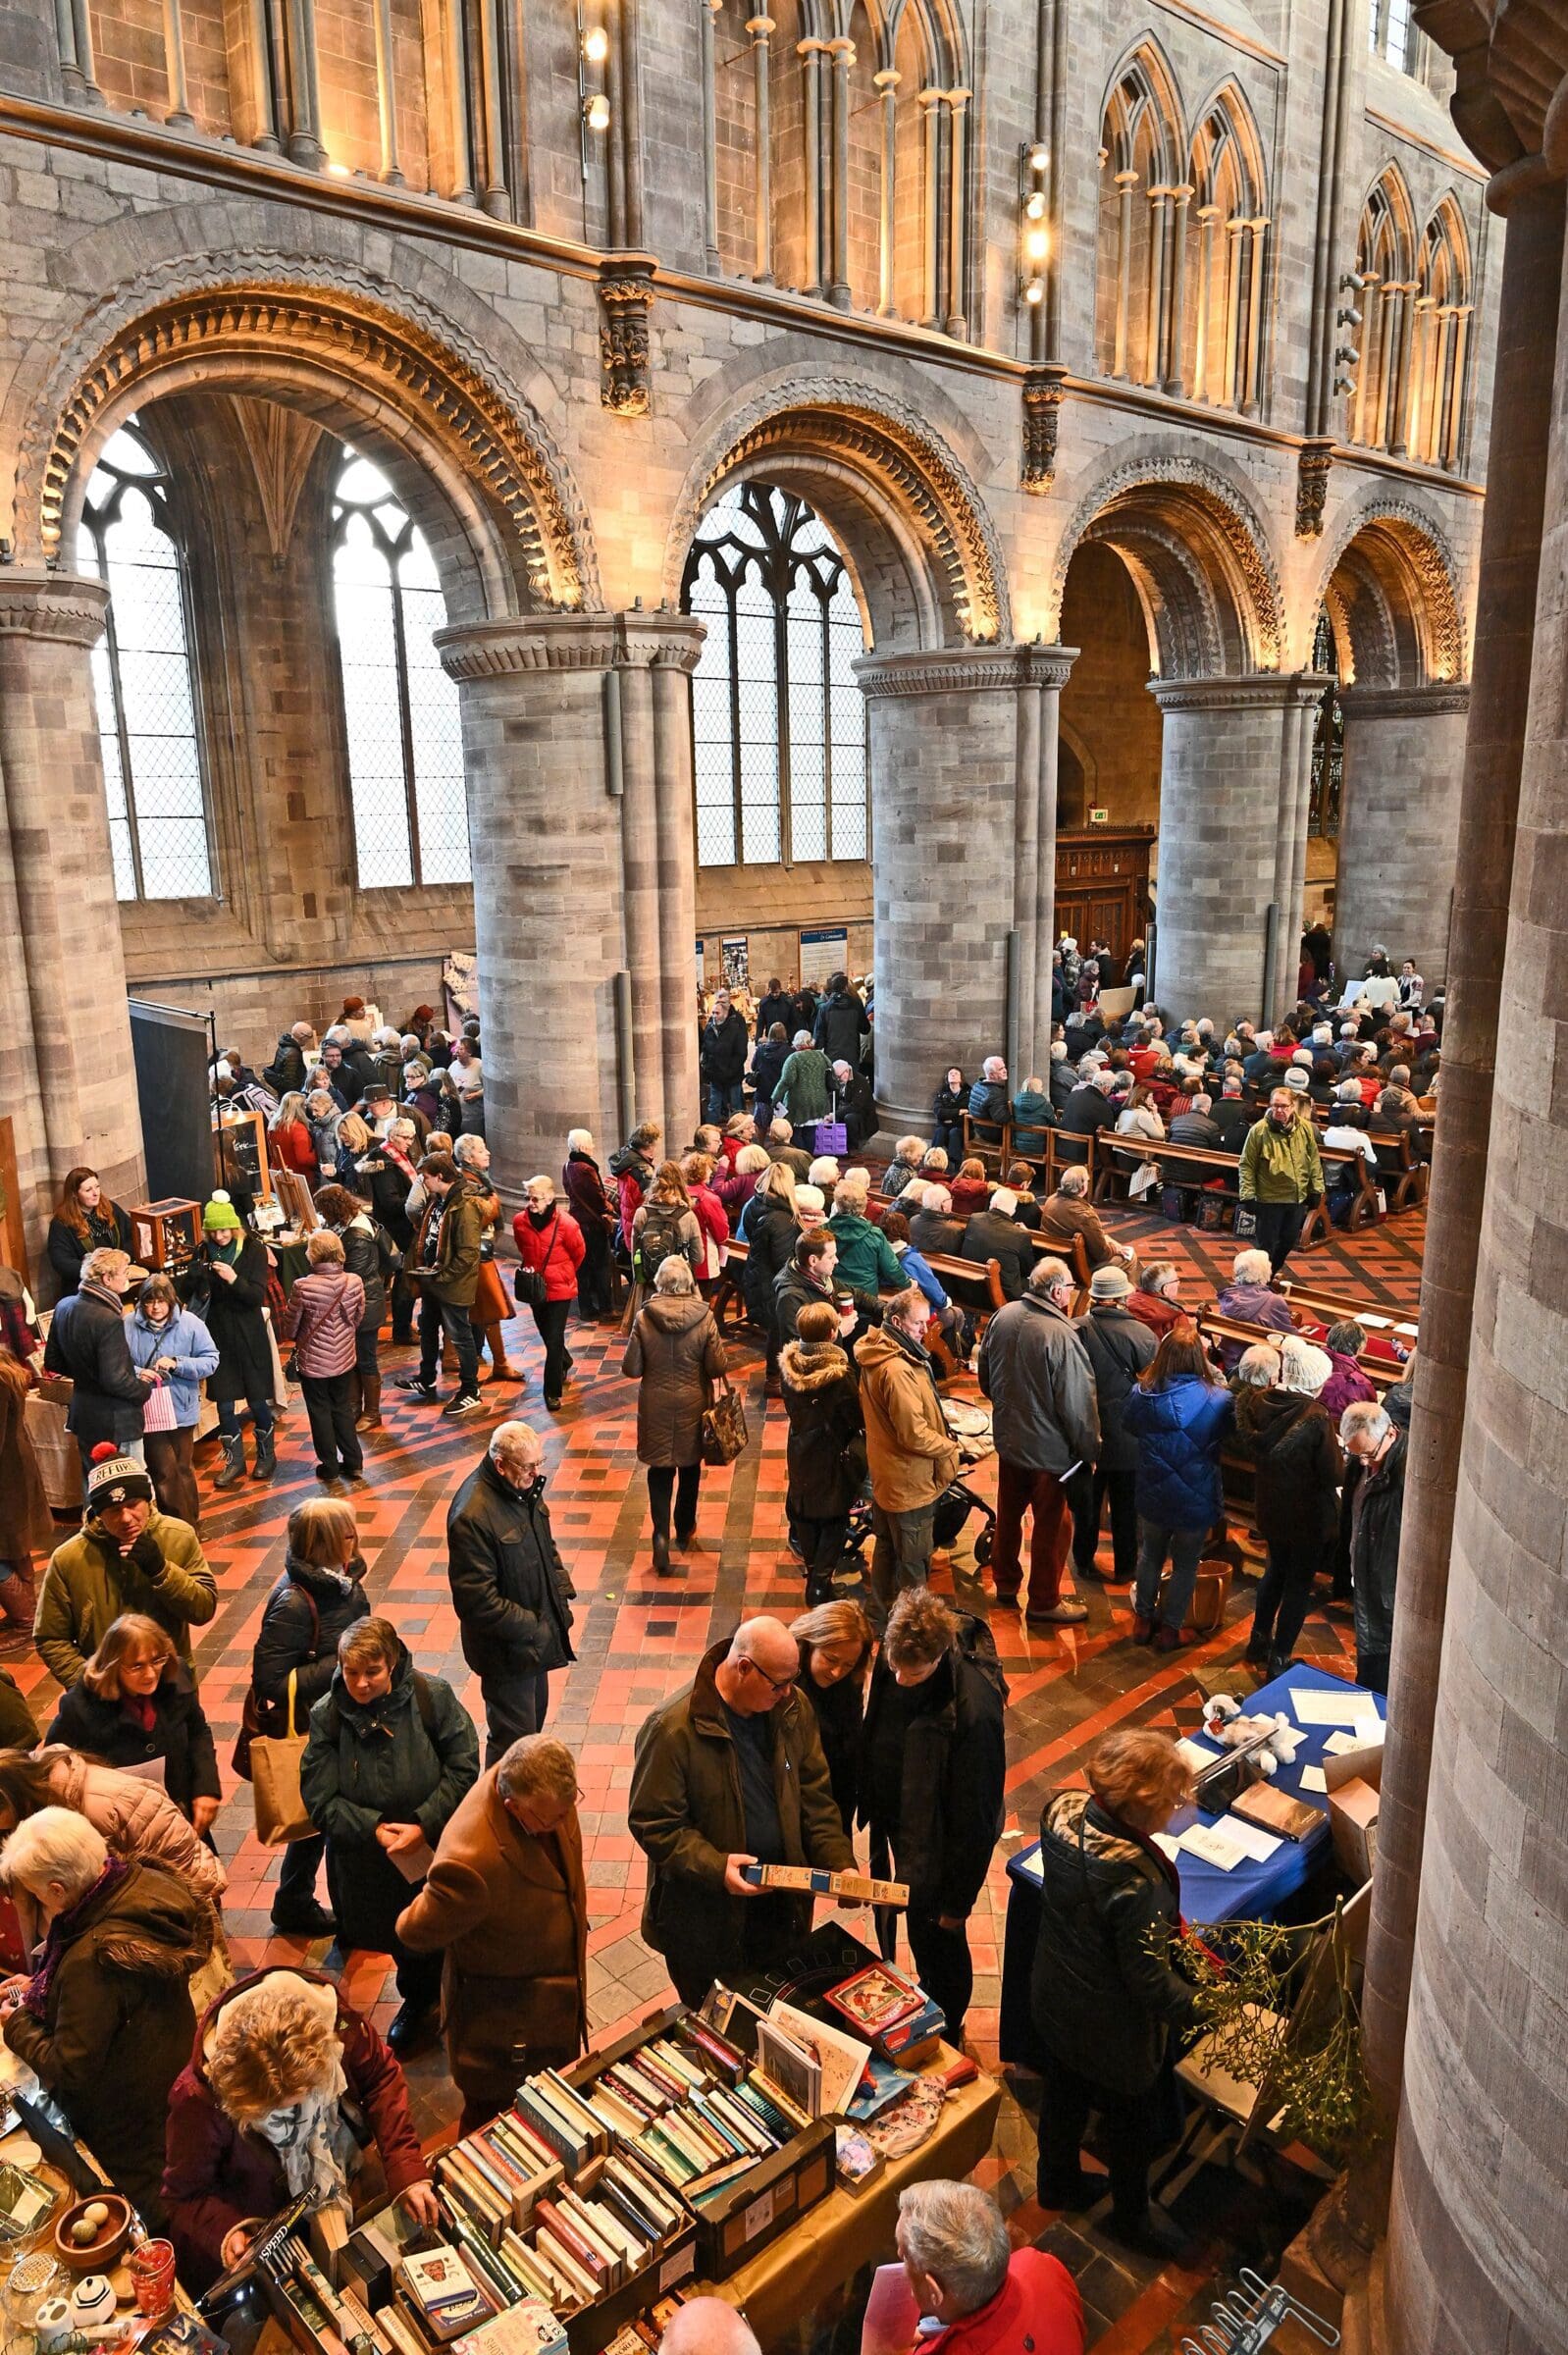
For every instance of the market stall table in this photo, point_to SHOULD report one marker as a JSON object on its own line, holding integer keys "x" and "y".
{"x": 1252, "y": 1891}
{"x": 848, "y": 2230}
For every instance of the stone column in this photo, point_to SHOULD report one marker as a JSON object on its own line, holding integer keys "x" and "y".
{"x": 760, "y": 27}
{"x": 1481, "y": 2180}
{"x": 955, "y": 322}
{"x": 1291, "y": 852}
{"x": 947, "y": 740}
{"x": 495, "y": 200}
{"x": 1153, "y": 285}
{"x": 1229, "y": 778}
{"x": 1125, "y": 183}
{"x": 931, "y": 102}
{"x": 705, "y": 10}
{"x": 174, "y": 50}
{"x": 547, "y": 848}
{"x": 304, "y": 86}
{"x": 1174, "y": 355}
{"x": 1042, "y": 674}
{"x": 674, "y": 642}
{"x": 392, "y": 170}
{"x": 887, "y": 83}
{"x": 1404, "y": 751}
{"x": 1208, "y": 215}
{"x": 811, "y": 54}
{"x": 81, "y": 1106}
{"x": 841, "y": 56}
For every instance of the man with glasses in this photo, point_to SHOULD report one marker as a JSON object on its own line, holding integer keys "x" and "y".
{"x": 506, "y": 1903}
{"x": 731, "y": 1773}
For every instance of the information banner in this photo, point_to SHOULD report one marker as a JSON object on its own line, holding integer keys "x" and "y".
{"x": 823, "y": 953}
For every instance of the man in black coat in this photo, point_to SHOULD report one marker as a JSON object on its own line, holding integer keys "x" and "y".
{"x": 88, "y": 1344}
{"x": 510, "y": 1588}
{"x": 854, "y": 1104}
{"x": 1085, "y": 1113}
{"x": 1118, "y": 1345}
{"x": 995, "y": 1233}
{"x": 777, "y": 1005}
{"x": 285, "y": 1073}
{"x": 724, "y": 1042}
{"x": 841, "y": 1023}
{"x": 1375, "y": 1443}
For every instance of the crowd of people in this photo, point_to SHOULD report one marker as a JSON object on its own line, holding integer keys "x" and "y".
{"x": 879, "y": 1709}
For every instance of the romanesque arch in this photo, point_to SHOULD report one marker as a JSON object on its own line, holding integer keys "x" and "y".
{"x": 1387, "y": 586}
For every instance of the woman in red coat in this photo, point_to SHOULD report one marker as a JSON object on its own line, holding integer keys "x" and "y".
{"x": 257, "y": 2118}
{"x": 551, "y": 1241}
{"x": 289, "y": 1143}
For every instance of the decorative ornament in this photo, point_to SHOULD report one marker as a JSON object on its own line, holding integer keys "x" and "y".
{"x": 1312, "y": 487}
{"x": 1043, "y": 390}
{"x": 625, "y": 299}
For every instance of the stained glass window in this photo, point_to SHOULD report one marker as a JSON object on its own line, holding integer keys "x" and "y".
{"x": 405, "y": 747}
{"x": 778, "y": 719}
{"x": 143, "y": 680}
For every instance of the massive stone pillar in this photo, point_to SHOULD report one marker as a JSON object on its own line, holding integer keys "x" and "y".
{"x": 580, "y": 818}
{"x": 1230, "y": 805}
{"x": 1480, "y": 2182}
{"x": 963, "y": 754}
{"x": 64, "y": 1044}
{"x": 1404, "y": 751}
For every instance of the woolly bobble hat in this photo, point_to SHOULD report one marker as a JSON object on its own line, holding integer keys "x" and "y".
{"x": 115, "y": 1478}
{"x": 219, "y": 1215}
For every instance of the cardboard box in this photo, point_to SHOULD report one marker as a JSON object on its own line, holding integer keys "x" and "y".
{"x": 1353, "y": 1781}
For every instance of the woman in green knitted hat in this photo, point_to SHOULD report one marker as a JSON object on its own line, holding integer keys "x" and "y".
{"x": 226, "y": 1285}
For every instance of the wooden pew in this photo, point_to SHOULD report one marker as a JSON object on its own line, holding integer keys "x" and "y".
{"x": 1119, "y": 1156}
{"x": 1379, "y": 1371}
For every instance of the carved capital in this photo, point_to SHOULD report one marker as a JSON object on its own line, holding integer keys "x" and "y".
{"x": 65, "y": 606}
{"x": 1446, "y": 698}
{"x": 1043, "y": 390}
{"x": 625, "y": 298}
{"x": 964, "y": 671}
{"x": 1259, "y": 690}
{"x": 660, "y": 641}
{"x": 491, "y": 650}
{"x": 1312, "y": 487}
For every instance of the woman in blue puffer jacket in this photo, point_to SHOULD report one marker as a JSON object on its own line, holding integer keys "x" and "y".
{"x": 1178, "y": 1412}
{"x": 164, "y": 1335}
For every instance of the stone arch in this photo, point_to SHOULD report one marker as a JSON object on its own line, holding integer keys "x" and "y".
{"x": 1389, "y": 586}
{"x": 1199, "y": 556}
{"x": 921, "y": 549}
{"x": 358, "y": 356}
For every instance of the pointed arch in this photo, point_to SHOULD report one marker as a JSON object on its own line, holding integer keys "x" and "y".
{"x": 1219, "y": 283}
{"x": 1389, "y": 586}
{"x": 1377, "y": 411}
{"x": 1143, "y": 149}
{"x": 1440, "y": 363}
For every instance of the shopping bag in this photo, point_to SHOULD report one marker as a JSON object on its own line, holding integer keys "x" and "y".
{"x": 724, "y": 1427}
{"x": 275, "y": 1764}
{"x": 158, "y": 1408}
{"x": 832, "y": 1137}
{"x": 1246, "y": 1222}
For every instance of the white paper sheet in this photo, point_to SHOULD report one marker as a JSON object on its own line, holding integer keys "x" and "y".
{"x": 1166, "y": 1846}
{"x": 1368, "y": 1736}
{"x": 1406, "y": 1333}
{"x": 1372, "y": 1324}
{"x": 1258, "y": 1844}
{"x": 1215, "y": 1844}
{"x": 1313, "y": 1778}
{"x": 1197, "y": 1755}
{"x": 1315, "y": 1704}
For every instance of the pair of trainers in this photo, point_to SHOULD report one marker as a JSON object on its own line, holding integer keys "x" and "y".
{"x": 466, "y": 1402}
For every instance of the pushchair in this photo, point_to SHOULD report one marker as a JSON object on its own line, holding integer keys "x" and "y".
{"x": 970, "y": 1426}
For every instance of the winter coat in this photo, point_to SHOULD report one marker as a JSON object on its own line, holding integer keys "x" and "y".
{"x": 970, "y": 1195}
{"x": 987, "y": 1234}
{"x": 25, "y": 1524}
{"x": 802, "y": 1093}
{"x": 118, "y": 2020}
{"x": 181, "y": 1736}
{"x": 1032, "y": 1114}
{"x": 1373, "y": 1516}
{"x": 1155, "y": 1310}
{"x": 322, "y": 1319}
{"x": 556, "y": 1249}
{"x": 88, "y": 1344}
{"x": 233, "y": 1314}
{"x": 1195, "y": 1128}
{"x": 292, "y": 1146}
{"x": 510, "y": 1588}
{"x": 1104, "y": 1996}
{"x": 687, "y": 1815}
{"x": 1250, "y": 1304}
{"x": 1292, "y": 1443}
{"x": 867, "y": 1260}
{"x": 1142, "y": 1119}
{"x": 373, "y": 1762}
{"x": 723, "y": 1049}
{"x": 793, "y": 1290}
{"x": 914, "y": 1269}
{"x": 584, "y": 1189}
{"x": 1344, "y": 1386}
{"x": 633, "y": 1174}
{"x": 1037, "y": 2311}
{"x": 826, "y": 1447}
{"x": 1084, "y": 1113}
{"x": 91, "y": 1579}
{"x": 19, "y": 1728}
{"x": 663, "y": 1230}
{"x": 930, "y": 1232}
{"x": 138, "y": 1819}
{"x": 949, "y": 1105}
{"x": 989, "y": 1107}
{"x": 301, "y": 1621}
{"x": 767, "y": 1065}
{"x": 675, "y": 1354}
{"x": 1281, "y": 1165}
{"x": 185, "y": 1339}
{"x": 713, "y": 1226}
{"x": 840, "y": 1713}
{"x": 1035, "y": 1371}
{"x": 734, "y": 1188}
{"x": 1118, "y": 1345}
{"x": 217, "y": 2174}
{"x": 508, "y": 1909}
{"x": 856, "y": 1106}
{"x": 108, "y": 1230}
{"x": 841, "y": 1023}
{"x": 771, "y": 1234}
{"x": 909, "y": 1448}
{"x": 1178, "y": 1430}
{"x": 285, "y": 1073}
{"x": 362, "y": 1258}
{"x": 386, "y": 1184}
{"x": 952, "y": 1787}
{"x": 452, "y": 1273}
{"x": 1061, "y": 1079}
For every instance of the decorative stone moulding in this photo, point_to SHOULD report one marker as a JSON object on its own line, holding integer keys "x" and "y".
{"x": 625, "y": 300}
{"x": 1043, "y": 390}
{"x": 1312, "y": 487}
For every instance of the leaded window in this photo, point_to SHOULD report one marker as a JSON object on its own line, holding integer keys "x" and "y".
{"x": 405, "y": 748}
{"x": 1327, "y": 739}
{"x": 142, "y": 681}
{"x": 778, "y": 719}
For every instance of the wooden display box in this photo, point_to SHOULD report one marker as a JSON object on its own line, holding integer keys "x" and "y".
{"x": 166, "y": 1234}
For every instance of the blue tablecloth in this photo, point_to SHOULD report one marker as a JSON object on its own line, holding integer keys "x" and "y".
{"x": 1250, "y": 1891}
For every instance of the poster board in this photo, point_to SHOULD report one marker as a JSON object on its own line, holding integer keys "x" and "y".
{"x": 245, "y": 1134}
{"x": 735, "y": 950}
{"x": 824, "y": 952}
{"x": 701, "y": 961}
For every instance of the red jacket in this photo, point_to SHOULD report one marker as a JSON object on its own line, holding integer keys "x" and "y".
{"x": 291, "y": 1147}
{"x": 1037, "y": 2311}
{"x": 556, "y": 1249}
{"x": 215, "y": 2174}
{"x": 715, "y": 1224}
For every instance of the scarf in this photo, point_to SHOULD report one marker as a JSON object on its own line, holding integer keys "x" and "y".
{"x": 63, "y": 1928}
{"x": 141, "y": 1708}
{"x": 316, "y": 2161}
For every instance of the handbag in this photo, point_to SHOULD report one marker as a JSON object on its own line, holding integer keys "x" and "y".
{"x": 275, "y": 1764}
{"x": 724, "y": 1433}
{"x": 491, "y": 1304}
{"x": 158, "y": 1408}
{"x": 832, "y": 1137}
{"x": 1246, "y": 1222}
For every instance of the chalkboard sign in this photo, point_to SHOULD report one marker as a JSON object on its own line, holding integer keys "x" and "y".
{"x": 243, "y": 1152}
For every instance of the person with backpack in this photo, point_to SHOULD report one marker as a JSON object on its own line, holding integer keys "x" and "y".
{"x": 632, "y": 1168}
{"x": 322, "y": 1320}
{"x": 826, "y": 1449}
{"x": 1179, "y": 1415}
{"x": 551, "y": 1250}
{"x": 390, "y": 1753}
{"x": 934, "y": 1766}
{"x": 319, "y": 1597}
{"x": 369, "y": 1253}
{"x": 663, "y": 1223}
{"x": 226, "y": 1287}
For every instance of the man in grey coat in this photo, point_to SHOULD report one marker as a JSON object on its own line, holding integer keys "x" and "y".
{"x": 1046, "y": 1425}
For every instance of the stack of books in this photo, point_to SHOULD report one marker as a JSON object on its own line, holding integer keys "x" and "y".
{"x": 575, "y": 2249}
{"x": 493, "y": 2178}
{"x": 898, "y": 2016}
{"x": 442, "y": 2294}
{"x": 705, "y": 2142}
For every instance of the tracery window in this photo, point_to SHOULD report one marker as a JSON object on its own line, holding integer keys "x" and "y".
{"x": 405, "y": 748}
{"x": 1391, "y": 35}
{"x": 778, "y": 719}
{"x": 1410, "y": 385}
{"x": 1328, "y": 739}
{"x": 142, "y": 679}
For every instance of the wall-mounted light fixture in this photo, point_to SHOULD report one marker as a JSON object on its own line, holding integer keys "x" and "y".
{"x": 1034, "y": 234}
{"x": 593, "y": 106}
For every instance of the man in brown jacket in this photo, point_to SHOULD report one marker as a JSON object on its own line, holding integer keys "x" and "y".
{"x": 1070, "y": 1212}
{"x": 910, "y": 1452}
{"x": 506, "y": 1901}
{"x": 445, "y": 1264}
{"x": 727, "y": 1774}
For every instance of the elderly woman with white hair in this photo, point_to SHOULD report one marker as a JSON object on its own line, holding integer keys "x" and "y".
{"x": 1291, "y": 1442}
{"x": 583, "y": 1183}
{"x": 676, "y": 1356}
{"x": 105, "y": 2022}
{"x": 551, "y": 1248}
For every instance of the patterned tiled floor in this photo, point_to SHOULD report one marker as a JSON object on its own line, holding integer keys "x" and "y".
{"x": 637, "y": 1638}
